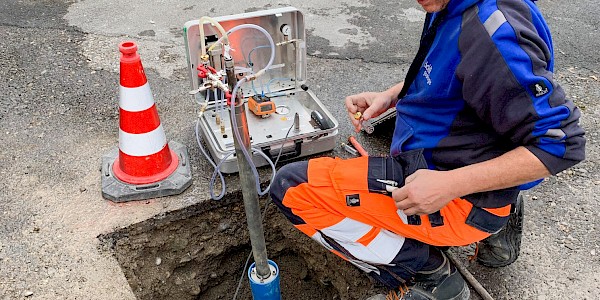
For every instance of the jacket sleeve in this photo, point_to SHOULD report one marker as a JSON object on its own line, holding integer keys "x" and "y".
{"x": 506, "y": 69}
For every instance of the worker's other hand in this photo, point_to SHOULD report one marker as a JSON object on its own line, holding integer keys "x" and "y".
{"x": 369, "y": 104}
{"x": 425, "y": 192}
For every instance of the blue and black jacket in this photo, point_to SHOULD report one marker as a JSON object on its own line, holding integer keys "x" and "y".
{"x": 485, "y": 88}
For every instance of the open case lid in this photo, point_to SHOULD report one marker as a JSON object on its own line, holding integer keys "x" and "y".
{"x": 251, "y": 50}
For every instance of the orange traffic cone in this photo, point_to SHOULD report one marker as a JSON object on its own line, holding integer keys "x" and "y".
{"x": 146, "y": 167}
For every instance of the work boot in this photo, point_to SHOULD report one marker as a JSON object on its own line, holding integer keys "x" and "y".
{"x": 502, "y": 249}
{"x": 442, "y": 283}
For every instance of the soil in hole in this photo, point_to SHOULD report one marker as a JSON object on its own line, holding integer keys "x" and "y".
{"x": 297, "y": 282}
{"x": 199, "y": 253}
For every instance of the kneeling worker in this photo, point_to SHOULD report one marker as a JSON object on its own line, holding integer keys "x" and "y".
{"x": 479, "y": 118}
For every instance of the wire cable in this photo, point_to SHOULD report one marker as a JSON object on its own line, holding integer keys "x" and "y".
{"x": 211, "y": 185}
{"x": 217, "y": 167}
{"x": 241, "y": 280}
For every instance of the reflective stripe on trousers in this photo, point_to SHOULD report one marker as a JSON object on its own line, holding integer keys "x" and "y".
{"x": 328, "y": 199}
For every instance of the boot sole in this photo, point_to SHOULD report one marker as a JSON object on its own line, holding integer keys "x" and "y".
{"x": 465, "y": 293}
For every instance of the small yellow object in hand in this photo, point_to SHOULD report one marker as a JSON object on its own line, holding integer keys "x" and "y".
{"x": 357, "y": 115}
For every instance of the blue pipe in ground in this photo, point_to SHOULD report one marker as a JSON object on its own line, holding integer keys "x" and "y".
{"x": 267, "y": 289}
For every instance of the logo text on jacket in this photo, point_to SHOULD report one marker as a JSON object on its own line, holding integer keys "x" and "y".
{"x": 428, "y": 68}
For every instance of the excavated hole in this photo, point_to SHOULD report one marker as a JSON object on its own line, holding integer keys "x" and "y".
{"x": 199, "y": 253}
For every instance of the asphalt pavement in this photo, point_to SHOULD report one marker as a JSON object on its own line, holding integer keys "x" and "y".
{"x": 59, "y": 115}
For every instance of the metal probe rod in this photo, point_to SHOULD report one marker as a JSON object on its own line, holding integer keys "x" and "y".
{"x": 469, "y": 277}
{"x": 249, "y": 192}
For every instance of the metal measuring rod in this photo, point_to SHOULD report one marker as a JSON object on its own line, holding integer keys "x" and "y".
{"x": 249, "y": 192}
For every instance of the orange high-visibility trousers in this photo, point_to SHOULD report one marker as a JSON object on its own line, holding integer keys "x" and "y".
{"x": 332, "y": 201}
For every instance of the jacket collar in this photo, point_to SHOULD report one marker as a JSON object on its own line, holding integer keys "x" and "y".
{"x": 456, "y": 7}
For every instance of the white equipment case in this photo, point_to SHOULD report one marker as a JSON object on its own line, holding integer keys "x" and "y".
{"x": 284, "y": 83}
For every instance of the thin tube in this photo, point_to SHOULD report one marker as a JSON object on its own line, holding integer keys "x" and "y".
{"x": 234, "y": 94}
{"x": 217, "y": 167}
{"x": 254, "y": 88}
{"x": 220, "y": 28}
{"x": 217, "y": 104}
{"x": 220, "y": 100}
{"x": 265, "y": 32}
{"x": 249, "y": 61}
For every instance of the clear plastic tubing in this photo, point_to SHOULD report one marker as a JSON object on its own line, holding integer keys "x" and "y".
{"x": 234, "y": 93}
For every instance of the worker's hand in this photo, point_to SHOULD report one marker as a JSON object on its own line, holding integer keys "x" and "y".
{"x": 425, "y": 192}
{"x": 370, "y": 104}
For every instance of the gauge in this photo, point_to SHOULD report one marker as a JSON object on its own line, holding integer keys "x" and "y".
{"x": 282, "y": 110}
{"x": 286, "y": 29}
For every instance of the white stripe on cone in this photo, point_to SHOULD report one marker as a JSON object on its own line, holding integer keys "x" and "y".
{"x": 142, "y": 144}
{"x": 136, "y": 99}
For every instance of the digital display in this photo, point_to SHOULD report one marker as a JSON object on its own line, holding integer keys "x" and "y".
{"x": 267, "y": 107}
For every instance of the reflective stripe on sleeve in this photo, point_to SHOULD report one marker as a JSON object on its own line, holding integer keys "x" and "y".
{"x": 557, "y": 134}
{"x": 494, "y": 22}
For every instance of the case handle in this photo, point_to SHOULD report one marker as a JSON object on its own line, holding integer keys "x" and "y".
{"x": 295, "y": 152}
